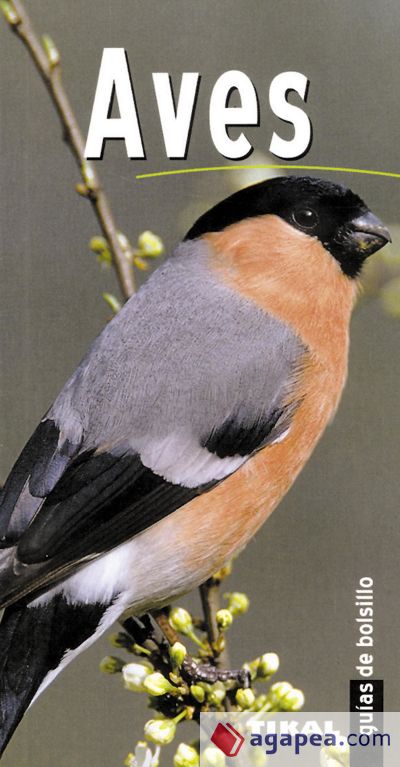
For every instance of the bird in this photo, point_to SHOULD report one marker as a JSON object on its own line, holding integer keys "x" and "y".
{"x": 184, "y": 425}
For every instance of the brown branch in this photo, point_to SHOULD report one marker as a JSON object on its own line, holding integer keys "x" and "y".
{"x": 209, "y": 594}
{"x": 50, "y": 72}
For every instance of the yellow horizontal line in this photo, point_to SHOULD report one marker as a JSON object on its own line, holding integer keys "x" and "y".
{"x": 181, "y": 171}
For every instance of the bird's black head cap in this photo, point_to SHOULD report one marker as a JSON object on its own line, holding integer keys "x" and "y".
{"x": 331, "y": 212}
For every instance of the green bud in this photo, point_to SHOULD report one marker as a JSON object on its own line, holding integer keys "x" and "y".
{"x": 339, "y": 750}
{"x": 98, "y": 244}
{"x": 237, "y": 603}
{"x": 198, "y": 692}
{"x": 10, "y": 13}
{"x": 186, "y": 756}
{"x": 219, "y": 644}
{"x": 105, "y": 258}
{"x": 123, "y": 241}
{"x": 88, "y": 175}
{"x": 51, "y": 51}
{"x": 293, "y": 700}
{"x": 181, "y": 620}
{"x": 82, "y": 190}
{"x": 252, "y": 667}
{"x": 113, "y": 302}
{"x": 278, "y": 691}
{"x": 142, "y": 753}
{"x": 269, "y": 664}
{"x": 177, "y": 653}
{"x": 223, "y": 572}
{"x": 160, "y": 731}
{"x": 335, "y": 756}
{"x": 213, "y": 757}
{"x": 245, "y": 698}
{"x": 134, "y": 675}
{"x": 143, "y": 756}
{"x": 260, "y": 701}
{"x": 157, "y": 684}
{"x": 140, "y": 263}
{"x": 224, "y": 619}
{"x": 119, "y": 640}
{"x": 150, "y": 244}
{"x": 217, "y": 694}
{"x": 155, "y": 759}
{"x": 111, "y": 665}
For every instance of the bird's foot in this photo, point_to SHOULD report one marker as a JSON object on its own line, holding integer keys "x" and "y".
{"x": 193, "y": 673}
{"x": 144, "y": 632}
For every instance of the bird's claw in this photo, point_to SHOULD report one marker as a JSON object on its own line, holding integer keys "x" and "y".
{"x": 194, "y": 672}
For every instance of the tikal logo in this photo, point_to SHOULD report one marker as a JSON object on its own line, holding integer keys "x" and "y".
{"x": 227, "y": 739}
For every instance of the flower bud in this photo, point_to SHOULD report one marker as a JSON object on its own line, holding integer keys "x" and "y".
{"x": 120, "y": 640}
{"x": 143, "y": 756}
{"x": 335, "y": 756}
{"x": 245, "y": 698}
{"x": 155, "y": 759}
{"x": 237, "y": 603}
{"x": 160, "y": 731}
{"x": 217, "y": 694}
{"x": 142, "y": 753}
{"x": 223, "y": 572}
{"x": 252, "y": 667}
{"x": 10, "y": 13}
{"x": 224, "y": 619}
{"x": 293, "y": 700}
{"x": 113, "y": 302}
{"x": 260, "y": 701}
{"x": 134, "y": 675}
{"x": 88, "y": 175}
{"x": 82, "y": 189}
{"x": 150, "y": 244}
{"x": 177, "y": 653}
{"x": 219, "y": 644}
{"x": 51, "y": 51}
{"x": 123, "y": 241}
{"x": 213, "y": 757}
{"x": 269, "y": 664}
{"x": 157, "y": 684}
{"x": 198, "y": 692}
{"x": 98, "y": 244}
{"x": 181, "y": 620}
{"x": 186, "y": 756}
{"x": 111, "y": 665}
{"x": 278, "y": 691}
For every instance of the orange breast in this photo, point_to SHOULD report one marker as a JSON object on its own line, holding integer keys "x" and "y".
{"x": 292, "y": 276}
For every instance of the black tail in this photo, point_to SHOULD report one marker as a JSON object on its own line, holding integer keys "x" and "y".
{"x": 33, "y": 641}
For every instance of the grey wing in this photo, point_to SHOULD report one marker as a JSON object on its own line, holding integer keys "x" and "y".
{"x": 175, "y": 394}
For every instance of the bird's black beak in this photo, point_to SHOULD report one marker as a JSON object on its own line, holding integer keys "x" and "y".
{"x": 369, "y": 234}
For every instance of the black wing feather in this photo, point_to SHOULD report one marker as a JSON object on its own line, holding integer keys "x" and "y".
{"x": 82, "y": 519}
{"x": 102, "y": 499}
{"x": 33, "y": 642}
{"x": 40, "y": 465}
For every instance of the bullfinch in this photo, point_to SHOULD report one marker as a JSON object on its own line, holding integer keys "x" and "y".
{"x": 184, "y": 425}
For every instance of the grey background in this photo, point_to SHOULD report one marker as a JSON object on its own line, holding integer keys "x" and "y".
{"x": 339, "y": 522}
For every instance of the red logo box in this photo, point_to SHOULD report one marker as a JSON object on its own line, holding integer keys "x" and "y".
{"x": 227, "y": 739}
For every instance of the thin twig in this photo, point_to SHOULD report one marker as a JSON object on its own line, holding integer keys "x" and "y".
{"x": 50, "y": 72}
{"x": 162, "y": 621}
{"x": 209, "y": 593}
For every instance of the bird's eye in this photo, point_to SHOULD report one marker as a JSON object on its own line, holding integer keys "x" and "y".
{"x": 305, "y": 218}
